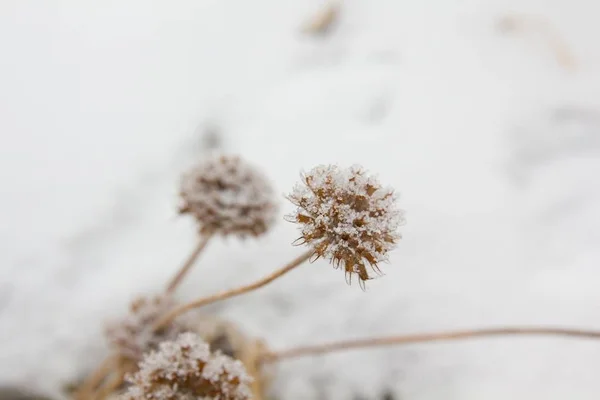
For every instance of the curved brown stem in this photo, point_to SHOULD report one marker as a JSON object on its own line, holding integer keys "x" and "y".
{"x": 96, "y": 377}
{"x": 177, "y": 311}
{"x": 425, "y": 337}
{"x": 561, "y": 50}
{"x": 321, "y": 23}
{"x": 110, "y": 386}
{"x": 177, "y": 279}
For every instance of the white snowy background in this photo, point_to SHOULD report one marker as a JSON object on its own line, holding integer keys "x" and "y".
{"x": 493, "y": 145}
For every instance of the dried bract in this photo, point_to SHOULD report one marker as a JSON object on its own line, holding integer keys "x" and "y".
{"x": 185, "y": 369}
{"x": 134, "y": 335}
{"x": 227, "y": 196}
{"x": 347, "y": 217}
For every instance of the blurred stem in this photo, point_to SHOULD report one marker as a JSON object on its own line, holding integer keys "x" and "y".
{"x": 177, "y": 279}
{"x": 322, "y": 22}
{"x": 562, "y": 52}
{"x": 96, "y": 377}
{"x": 177, "y": 311}
{"x": 111, "y": 385}
{"x": 424, "y": 338}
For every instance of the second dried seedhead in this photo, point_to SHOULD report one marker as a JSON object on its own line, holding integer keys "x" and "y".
{"x": 228, "y": 196}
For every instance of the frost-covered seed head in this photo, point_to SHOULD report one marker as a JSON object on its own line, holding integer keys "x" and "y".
{"x": 347, "y": 217}
{"x": 185, "y": 369}
{"x": 228, "y": 196}
{"x": 134, "y": 335}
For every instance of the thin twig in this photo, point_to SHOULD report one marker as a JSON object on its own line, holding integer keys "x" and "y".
{"x": 321, "y": 23}
{"x": 111, "y": 385}
{"x": 177, "y": 279}
{"x": 177, "y": 311}
{"x": 422, "y": 338}
{"x": 561, "y": 50}
{"x": 96, "y": 377}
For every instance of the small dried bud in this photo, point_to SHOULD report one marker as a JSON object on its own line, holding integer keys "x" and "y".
{"x": 134, "y": 335}
{"x": 185, "y": 369}
{"x": 228, "y": 196}
{"x": 347, "y": 216}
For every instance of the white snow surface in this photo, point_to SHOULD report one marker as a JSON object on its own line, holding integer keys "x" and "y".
{"x": 492, "y": 145}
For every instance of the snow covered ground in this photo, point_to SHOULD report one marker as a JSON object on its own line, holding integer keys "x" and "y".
{"x": 493, "y": 143}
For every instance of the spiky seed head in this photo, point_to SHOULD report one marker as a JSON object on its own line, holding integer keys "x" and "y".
{"x": 185, "y": 369}
{"x": 134, "y": 334}
{"x": 347, "y": 217}
{"x": 228, "y": 196}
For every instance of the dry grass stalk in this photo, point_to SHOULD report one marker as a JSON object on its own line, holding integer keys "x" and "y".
{"x": 322, "y": 23}
{"x": 113, "y": 382}
{"x": 561, "y": 50}
{"x": 424, "y": 338}
{"x": 177, "y": 311}
{"x": 185, "y": 268}
{"x": 251, "y": 357}
{"x": 93, "y": 380}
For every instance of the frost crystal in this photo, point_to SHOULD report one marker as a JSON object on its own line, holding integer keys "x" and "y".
{"x": 134, "y": 335}
{"x": 228, "y": 196}
{"x": 347, "y": 216}
{"x": 185, "y": 369}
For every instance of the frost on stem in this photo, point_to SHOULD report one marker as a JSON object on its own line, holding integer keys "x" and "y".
{"x": 347, "y": 217}
{"x": 134, "y": 334}
{"x": 185, "y": 369}
{"x": 228, "y": 196}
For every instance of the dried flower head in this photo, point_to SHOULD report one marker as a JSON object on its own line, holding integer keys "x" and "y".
{"x": 185, "y": 369}
{"x": 134, "y": 335}
{"x": 226, "y": 195}
{"x": 347, "y": 216}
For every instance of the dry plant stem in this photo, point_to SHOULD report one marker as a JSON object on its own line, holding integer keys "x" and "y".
{"x": 96, "y": 377}
{"x": 110, "y": 386}
{"x": 561, "y": 50}
{"x": 177, "y": 311}
{"x": 321, "y": 23}
{"x": 177, "y": 279}
{"x": 426, "y": 337}
{"x": 559, "y": 47}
